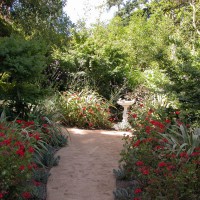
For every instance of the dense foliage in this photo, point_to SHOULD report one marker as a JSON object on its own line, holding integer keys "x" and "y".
{"x": 22, "y": 63}
{"x": 162, "y": 155}
{"x": 84, "y": 109}
{"x": 23, "y": 154}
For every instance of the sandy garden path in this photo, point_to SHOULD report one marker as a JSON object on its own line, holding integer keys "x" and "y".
{"x": 85, "y": 169}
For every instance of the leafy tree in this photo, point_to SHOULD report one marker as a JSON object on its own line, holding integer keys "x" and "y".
{"x": 5, "y": 28}
{"x": 45, "y": 19}
{"x": 128, "y": 7}
{"x": 97, "y": 57}
{"x": 21, "y": 66}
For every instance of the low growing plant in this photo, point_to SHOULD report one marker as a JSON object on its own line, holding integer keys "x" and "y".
{"x": 15, "y": 162}
{"x": 20, "y": 143}
{"x": 85, "y": 109}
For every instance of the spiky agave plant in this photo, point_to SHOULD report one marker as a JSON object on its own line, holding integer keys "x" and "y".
{"x": 180, "y": 138}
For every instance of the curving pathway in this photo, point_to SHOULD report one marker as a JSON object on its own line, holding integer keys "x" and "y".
{"x": 85, "y": 168}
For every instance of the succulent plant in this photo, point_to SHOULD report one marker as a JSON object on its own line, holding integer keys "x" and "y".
{"x": 41, "y": 175}
{"x": 47, "y": 159}
{"x": 119, "y": 173}
{"x": 123, "y": 194}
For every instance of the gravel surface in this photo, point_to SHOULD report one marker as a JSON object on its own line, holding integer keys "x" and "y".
{"x": 86, "y": 165}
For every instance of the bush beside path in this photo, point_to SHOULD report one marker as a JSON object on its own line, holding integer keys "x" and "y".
{"x": 86, "y": 165}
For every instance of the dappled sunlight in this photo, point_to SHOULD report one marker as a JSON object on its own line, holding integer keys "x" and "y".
{"x": 90, "y": 140}
{"x": 77, "y": 131}
{"x": 103, "y": 132}
{"x": 119, "y": 133}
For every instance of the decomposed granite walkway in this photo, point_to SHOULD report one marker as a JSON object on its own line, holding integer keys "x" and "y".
{"x": 85, "y": 168}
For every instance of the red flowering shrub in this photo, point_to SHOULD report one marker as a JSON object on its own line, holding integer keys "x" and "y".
{"x": 85, "y": 109}
{"x": 163, "y": 170}
{"x": 15, "y": 160}
{"x": 20, "y": 143}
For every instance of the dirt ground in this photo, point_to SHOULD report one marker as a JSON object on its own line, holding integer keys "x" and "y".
{"x": 86, "y": 165}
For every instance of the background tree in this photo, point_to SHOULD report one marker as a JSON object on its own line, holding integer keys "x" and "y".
{"x": 22, "y": 63}
{"x": 32, "y": 28}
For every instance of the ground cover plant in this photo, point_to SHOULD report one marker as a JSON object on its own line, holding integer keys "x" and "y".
{"x": 85, "y": 109}
{"x": 25, "y": 157}
{"x": 162, "y": 155}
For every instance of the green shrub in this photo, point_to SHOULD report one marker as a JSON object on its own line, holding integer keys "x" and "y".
{"x": 22, "y": 63}
{"x": 85, "y": 109}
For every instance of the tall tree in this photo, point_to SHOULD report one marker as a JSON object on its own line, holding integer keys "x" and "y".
{"x": 33, "y": 18}
{"x": 127, "y": 7}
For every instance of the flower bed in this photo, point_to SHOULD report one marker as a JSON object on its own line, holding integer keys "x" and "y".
{"x": 162, "y": 156}
{"x": 23, "y": 167}
{"x": 85, "y": 109}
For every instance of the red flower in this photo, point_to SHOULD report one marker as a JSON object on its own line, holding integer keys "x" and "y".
{"x": 18, "y": 143}
{"x": 195, "y": 154}
{"x": 196, "y": 162}
{"x": 90, "y": 124}
{"x": 43, "y": 118}
{"x": 31, "y": 122}
{"x": 158, "y": 147}
{"x": 197, "y": 149}
{"x": 183, "y": 155}
{"x": 148, "y": 129}
{"x": 111, "y": 119}
{"x": 134, "y": 116}
{"x": 165, "y": 140}
{"x": 167, "y": 121}
{"x": 20, "y": 152}
{"x": 161, "y": 130}
{"x": 7, "y": 142}
{"x": 162, "y": 164}
{"x": 37, "y": 136}
{"x": 150, "y": 111}
{"x": 171, "y": 155}
{"x": 2, "y": 135}
{"x": 90, "y": 111}
{"x": 1, "y": 195}
{"x": 45, "y": 125}
{"x": 32, "y": 166}
{"x": 139, "y": 163}
{"x": 157, "y": 124}
{"x": 31, "y": 149}
{"x": 136, "y": 144}
{"x": 157, "y": 171}
{"x": 36, "y": 183}
{"x": 147, "y": 140}
{"x": 19, "y": 121}
{"x": 137, "y": 191}
{"x": 84, "y": 108}
{"x": 26, "y": 195}
{"x": 179, "y": 122}
{"x": 170, "y": 167}
{"x": 145, "y": 171}
{"x": 177, "y": 112}
{"x": 21, "y": 168}
{"x": 136, "y": 198}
